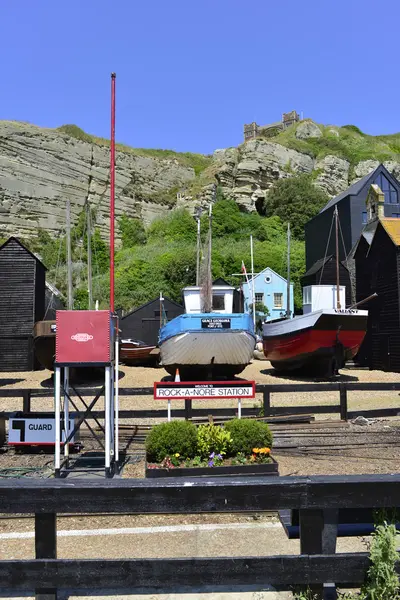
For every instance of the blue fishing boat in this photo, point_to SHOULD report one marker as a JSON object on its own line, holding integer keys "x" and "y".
{"x": 209, "y": 340}
{"x": 204, "y": 344}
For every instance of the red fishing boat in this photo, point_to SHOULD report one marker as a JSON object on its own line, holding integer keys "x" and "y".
{"x": 320, "y": 340}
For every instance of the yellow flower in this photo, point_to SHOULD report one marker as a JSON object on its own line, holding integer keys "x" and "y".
{"x": 265, "y": 450}
{"x": 256, "y": 450}
{"x": 177, "y": 455}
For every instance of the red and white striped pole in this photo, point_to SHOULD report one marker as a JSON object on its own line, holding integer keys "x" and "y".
{"x": 112, "y": 192}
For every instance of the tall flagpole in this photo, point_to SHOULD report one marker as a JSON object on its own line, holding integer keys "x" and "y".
{"x": 252, "y": 281}
{"x": 288, "y": 274}
{"x": 112, "y": 192}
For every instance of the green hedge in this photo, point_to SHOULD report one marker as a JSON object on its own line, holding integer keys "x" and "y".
{"x": 167, "y": 439}
{"x": 248, "y": 434}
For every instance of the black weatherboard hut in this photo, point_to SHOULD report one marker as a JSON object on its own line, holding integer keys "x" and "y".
{"x": 377, "y": 259}
{"x": 22, "y": 303}
{"x": 352, "y": 211}
{"x": 143, "y": 323}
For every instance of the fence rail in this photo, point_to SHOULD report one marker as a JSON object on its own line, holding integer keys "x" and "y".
{"x": 342, "y": 388}
{"x": 317, "y": 498}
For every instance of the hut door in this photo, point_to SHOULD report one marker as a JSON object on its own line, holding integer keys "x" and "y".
{"x": 384, "y": 351}
{"x": 150, "y": 329}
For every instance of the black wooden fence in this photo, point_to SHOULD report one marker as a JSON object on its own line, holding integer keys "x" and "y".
{"x": 341, "y": 388}
{"x": 318, "y": 499}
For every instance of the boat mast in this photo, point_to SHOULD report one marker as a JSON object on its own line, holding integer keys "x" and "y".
{"x": 112, "y": 191}
{"x": 69, "y": 261}
{"x": 288, "y": 274}
{"x": 89, "y": 256}
{"x": 337, "y": 258}
{"x": 252, "y": 281}
{"x": 198, "y": 216}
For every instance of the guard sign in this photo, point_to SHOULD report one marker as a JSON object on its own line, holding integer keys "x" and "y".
{"x": 203, "y": 390}
{"x": 36, "y": 431}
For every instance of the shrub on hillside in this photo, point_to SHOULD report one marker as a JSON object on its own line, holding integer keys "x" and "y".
{"x": 132, "y": 231}
{"x": 176, "y": 226}
{"x": 295, "y": 200}
{"x": 168, "y": 439}
{"x": 248, "y": 434}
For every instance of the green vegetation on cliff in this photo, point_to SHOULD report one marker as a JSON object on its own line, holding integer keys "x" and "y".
{"x": 162, "y": 258}
{"x": 198, "y": 162}
{"x": 347, "y": 142}
{"x": 296, "y": 200}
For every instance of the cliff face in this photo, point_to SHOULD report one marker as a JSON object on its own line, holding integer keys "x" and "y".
{"x": 41, "y": 168}
{"x": 333, "y": 156}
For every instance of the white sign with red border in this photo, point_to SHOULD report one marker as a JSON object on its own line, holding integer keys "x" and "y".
{"x": 203, "y": 390}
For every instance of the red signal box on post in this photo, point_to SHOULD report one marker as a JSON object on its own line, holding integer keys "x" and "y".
{"x": 85, "y": 337}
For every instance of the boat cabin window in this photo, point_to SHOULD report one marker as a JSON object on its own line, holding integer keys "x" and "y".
{"x": 278, "y": 300}
{"x": 218, "y": 302}
{"x": 307, "y": 295}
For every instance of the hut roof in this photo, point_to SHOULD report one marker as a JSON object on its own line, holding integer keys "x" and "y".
{"x": 14, "y": 239}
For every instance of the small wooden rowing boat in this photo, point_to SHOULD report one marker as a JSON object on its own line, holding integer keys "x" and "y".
{"x": 136, "y": 352}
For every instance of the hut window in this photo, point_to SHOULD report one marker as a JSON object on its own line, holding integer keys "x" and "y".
{"x": 218, "y": 302}
{"x": 260, "y": 298}
{"x": 278, "y": 300}
{"x": 390, "y": 192}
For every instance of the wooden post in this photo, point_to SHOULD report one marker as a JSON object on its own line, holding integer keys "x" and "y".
{"x": 26, "y": 401}
{"x": 188, "y": 409}
{"x": 343, "y": 401}
{"x": 266, "y": 402}
{"x": 311, "y": 529}
{"x": 46, "y": 547}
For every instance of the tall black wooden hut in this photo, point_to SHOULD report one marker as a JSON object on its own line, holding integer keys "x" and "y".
{"x": 377, "y": 259}
{"x": 143, "y": 323}
{"x": 22, "y": 303}
{"x": 351, "y": 205}
{"x": 323, "y": 272}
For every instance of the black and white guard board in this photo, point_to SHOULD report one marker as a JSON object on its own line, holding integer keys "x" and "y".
{"x": 34, "y": 431}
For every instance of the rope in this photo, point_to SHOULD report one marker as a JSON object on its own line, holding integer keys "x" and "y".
{"x": 55, "y": 275}
{"x": 326, "y": 252}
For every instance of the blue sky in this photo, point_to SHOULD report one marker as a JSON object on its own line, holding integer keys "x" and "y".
{"x": 189, "y": 74}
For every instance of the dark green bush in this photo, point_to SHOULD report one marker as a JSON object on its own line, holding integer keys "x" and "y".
{"x": 248, "y": 434}
{"x": 167, "y": 439}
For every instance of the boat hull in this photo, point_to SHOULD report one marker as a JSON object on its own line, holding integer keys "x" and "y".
{"x": 194, "y": 349}
{"x": 322, "y": 341}
{"x": 132, "y": 355}
{"x": 44, "y": 340}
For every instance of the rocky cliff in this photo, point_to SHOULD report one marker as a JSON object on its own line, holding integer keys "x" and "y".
{"x": 41, "y": 168}
{"x": 336, "y": 157}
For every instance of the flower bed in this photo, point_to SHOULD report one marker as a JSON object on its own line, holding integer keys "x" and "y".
{"x": 179, "y": 449}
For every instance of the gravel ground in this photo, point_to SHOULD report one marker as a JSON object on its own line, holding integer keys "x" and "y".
{"x": 307, "y": 460}
{"x": 259, "y": 371}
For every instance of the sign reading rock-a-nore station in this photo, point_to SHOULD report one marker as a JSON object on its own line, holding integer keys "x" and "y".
{"x": 203, "y": 390}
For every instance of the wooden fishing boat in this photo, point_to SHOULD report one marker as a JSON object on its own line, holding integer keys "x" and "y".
{"x": 44, "y": 340}
{"x": 209, "y": 340}
{"x": 321, "y": 340}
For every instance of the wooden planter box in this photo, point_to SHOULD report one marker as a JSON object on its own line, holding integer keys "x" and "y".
{"x": 248, "y": 470}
